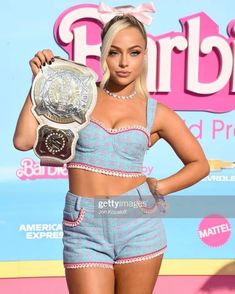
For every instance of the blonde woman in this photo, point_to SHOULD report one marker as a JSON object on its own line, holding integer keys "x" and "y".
{"x": 106, "y": 255}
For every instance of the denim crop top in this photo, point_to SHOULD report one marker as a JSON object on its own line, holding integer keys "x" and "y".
{"x": 114, "y": 151}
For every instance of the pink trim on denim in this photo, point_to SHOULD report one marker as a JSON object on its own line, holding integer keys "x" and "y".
{"x": 74, "y": 265}
{"x": 104, "y": 170}
{"x": 140, "y": 257}
{"x": 76, "y": 222}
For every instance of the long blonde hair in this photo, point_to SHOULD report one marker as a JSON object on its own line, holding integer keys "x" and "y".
{"x": 114, "y": 26}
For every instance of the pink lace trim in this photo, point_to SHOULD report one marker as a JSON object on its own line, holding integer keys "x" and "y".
{"x": 141, "y": 257}
{"x": 88, "y": 264}
{"x": 123, "y": 129}
{"x": 77, "y": 221}
{"x": 103, "y": 170}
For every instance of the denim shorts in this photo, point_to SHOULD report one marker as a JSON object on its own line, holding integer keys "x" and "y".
{"x": 107, "y": 230}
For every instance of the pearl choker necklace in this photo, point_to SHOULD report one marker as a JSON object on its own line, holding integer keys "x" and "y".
{"x": 120, "y": 96}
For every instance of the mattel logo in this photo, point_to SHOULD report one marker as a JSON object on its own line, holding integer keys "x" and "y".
{"x": 214, "y": 230}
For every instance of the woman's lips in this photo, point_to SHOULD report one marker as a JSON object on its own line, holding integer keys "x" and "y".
{"x": 123, "y": 74}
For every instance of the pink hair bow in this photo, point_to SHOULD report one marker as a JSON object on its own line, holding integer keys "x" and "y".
{"x": 140, "y": 12}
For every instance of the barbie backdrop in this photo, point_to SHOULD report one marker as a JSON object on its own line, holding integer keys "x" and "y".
{"x": 191, "y": 69}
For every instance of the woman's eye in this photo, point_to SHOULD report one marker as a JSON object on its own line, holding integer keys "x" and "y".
{"x": 135, "y": 53}
{"x": 113, "y": 53}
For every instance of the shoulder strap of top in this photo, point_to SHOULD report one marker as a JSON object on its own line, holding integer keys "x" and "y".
{"x": 152, "y": 105}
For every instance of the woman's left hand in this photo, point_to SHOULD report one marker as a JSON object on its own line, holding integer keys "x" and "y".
{"x": 154, "y": 186}
{"x": 151, "y": 183}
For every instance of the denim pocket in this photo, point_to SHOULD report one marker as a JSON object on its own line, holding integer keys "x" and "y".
{"x": 72, "y": 216}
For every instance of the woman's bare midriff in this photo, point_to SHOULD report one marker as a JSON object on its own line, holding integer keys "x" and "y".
{"x": 91, "y": 184}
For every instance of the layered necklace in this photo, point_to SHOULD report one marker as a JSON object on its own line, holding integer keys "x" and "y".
{"x": 120, "y": 96}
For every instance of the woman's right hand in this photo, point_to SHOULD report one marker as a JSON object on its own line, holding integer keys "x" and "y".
{"x": 40, "y": 59}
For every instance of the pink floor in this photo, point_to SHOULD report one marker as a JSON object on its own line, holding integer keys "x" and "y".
{"x": 164, "y": 285}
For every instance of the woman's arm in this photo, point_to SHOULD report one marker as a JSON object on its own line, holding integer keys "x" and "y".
{"x": 26, "y": 127}
{"x": 169, "y": 126}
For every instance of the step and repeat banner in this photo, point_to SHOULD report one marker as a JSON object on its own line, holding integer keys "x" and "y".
{"x": 191, "y": 51}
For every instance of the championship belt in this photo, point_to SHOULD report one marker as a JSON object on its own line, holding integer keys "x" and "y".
{"x": 63, "y": 95}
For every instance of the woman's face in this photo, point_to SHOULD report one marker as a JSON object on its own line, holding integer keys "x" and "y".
{"x": 126, "y": 56}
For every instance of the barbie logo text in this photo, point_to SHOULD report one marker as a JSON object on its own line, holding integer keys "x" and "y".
{"x": 188, "y": 70}
{"x": 32, "y": 170}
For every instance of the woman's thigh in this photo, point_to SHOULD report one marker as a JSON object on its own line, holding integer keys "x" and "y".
{"x": 137, "y": 277}
{"x": 90, "y": 281}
